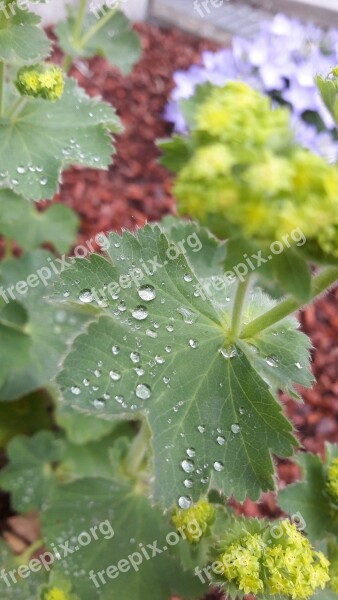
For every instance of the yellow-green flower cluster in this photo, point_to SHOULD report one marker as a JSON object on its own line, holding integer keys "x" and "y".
{"x": 333, "y": 556}
{"x": 194, "y": 521}
{"x": 245, "y": 169}
{"x": 275, "y": 563}
{"x": 55, "y": 594}
{"x": 40, "y": 81}
{"x": 332, "y": 480}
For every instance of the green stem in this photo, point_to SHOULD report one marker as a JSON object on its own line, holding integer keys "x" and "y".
{"x": 16, "y": 107}
{"x": 95, "y": 28}
{"x": 238, "y": 307}
{"x": 68, "y": 59}
{"x": 2, "y": 87}
{"x": 79, "y": 20}
{"x": 137, "y": 451}
{"x": 320, "y": 283}
{"x": 24, "y": 558}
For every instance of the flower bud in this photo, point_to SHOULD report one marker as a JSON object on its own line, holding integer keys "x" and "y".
{"x": 40, "y": 81}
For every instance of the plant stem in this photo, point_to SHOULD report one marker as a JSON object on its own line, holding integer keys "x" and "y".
{"x": 16, "y": 107}
{"x": 95, "y": 28}
{"x": 320, "y": 283}
{"x": 137, "y": 451}
{"x": 2, "y": 87}
{"x": 79, "y": 20}
{"x": 237, "y": 309}
{"x": 68, "y": 59}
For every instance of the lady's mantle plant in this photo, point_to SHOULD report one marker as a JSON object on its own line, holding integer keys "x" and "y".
{"x": 162, "y": 337}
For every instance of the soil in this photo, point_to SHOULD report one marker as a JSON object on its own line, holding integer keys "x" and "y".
{"x": 136, "y": 189}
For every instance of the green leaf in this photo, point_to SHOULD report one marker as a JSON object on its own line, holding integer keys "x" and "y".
{"x": 176, "y": 152}
{"x": 21, "y": 40}
{"x": 20, "y": 221}
{"x": 25, "y": 416}
{"x": 308, "y": 499}
{"x": 23, "y": 589}
{"x": 81, "y": 429}
{"x": 95, "y": 503}
{"x": 29, "y": 475}
{"x": 110, "y": 37}
{"x": 190, "y": 237}
{"x": 47, "y": 136}
{"x": 34, "y": 334}
{"x": 167, "y": 362}
{"x": 292, "y": 273}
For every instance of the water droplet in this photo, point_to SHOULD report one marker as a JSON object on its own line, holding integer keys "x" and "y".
{"x": 99, "y": 403}
{"x": 119, "y": 399}
{"x": 143, "y": 391}
{"x": 97, "y": 373}
{"x": 86, "y": 296}
{"x": 115, "y": 375}
{"x": 21, "y": 170}
{"x": 193, "y": 343}
{"x": 235, "y": 428}
{"x": 115, "y": 350}
{"x": 241, "y": 411}
{"x": 75, "y": 390}
{"x": 122, "y": 306}
{"x": 188, "y": 483}
{"x": 228, "y": 352}
{"x": 187, "y": 277}
{"x": 166, "y": 380}
{"x": 298, "y": 365}
{"x": 39, "y": 169}
{"x": 159, "y": 359}
{"x": 169, "y": 328}
{"x": 187, "y": 465}
{"x": 272, "y": 361}
{"x": 140, "y": 313}
{"x": 135, "y": 357}
{"x": 43, "y": 181}
{"x": 201, "y": 428}
{"x": 218, "y": 466}
{"x": 139, "y": 371}
{"x": 151, "y": 333}
{"x": 146, "y": 293}
{"x": 184, "y": 502}
{"x": 191, "y": 452}
{"x": 220, "y": 440}
{"x": 188, "y": 316}
{"x": 86, "y": 382}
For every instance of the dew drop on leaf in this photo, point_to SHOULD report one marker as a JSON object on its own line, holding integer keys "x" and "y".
{"x": 146, "y": 293}
{"x": 140, "y": 313}
{"x": 184, "y": 502}
{"x": 218, "y": 466}
{"x": 86, "y": 296}
{"x": 220, "y": 440}
{"x": 135, "y": 357}
{"x": 114, "y": 375}
{"x": 187, "y": 465}
{"x": 235, "y": 428}
{"x": 188, "y": 483}
{"x": 298, "y": 365}
{"x": 21, "y": 170}
{"x": 193, "y": 343}
{"x": 272, "y": 361}
{"x": 228, "y": 352}
{"x": 191, "y": 452}
{"x": 143, "y": 391}
{"x": 201, "y": 428}
{"x": 115, "y": 350}
{"x": 187, "y": 277}
{"x": 75, "y": 390}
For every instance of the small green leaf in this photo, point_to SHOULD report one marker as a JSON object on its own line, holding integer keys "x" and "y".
{"x": 127, "y": 521}
{"x": 114, "y": 40}
{"x": 292, "y": 273}
{"x": 308, "y": 499}
{"x": 26, "y": 416}
{"x": 176, "y": 151}
{"x": 47, "y": 136}
{"x": 34, "y": 334}
{"x": 81, "y": 429}
{"x": 158, "y": 350}
{"x": 21, "y": 40}
{"x": 21, "y": 222}
{"x": 29, "y": 475}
